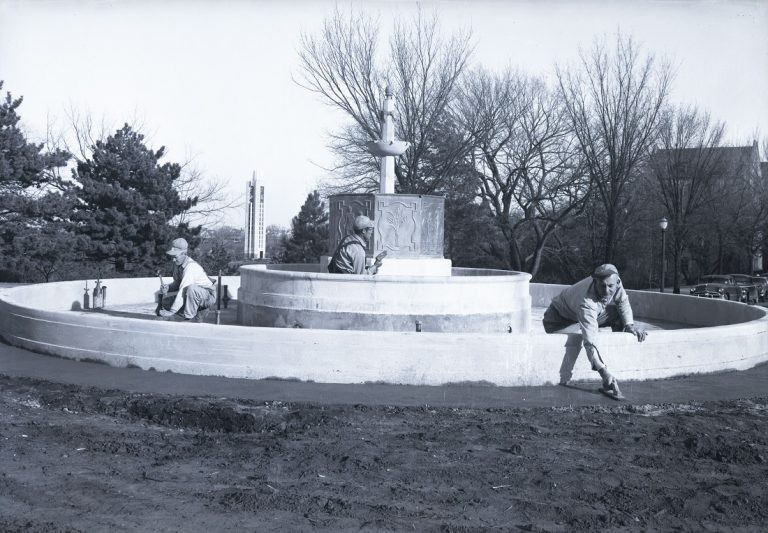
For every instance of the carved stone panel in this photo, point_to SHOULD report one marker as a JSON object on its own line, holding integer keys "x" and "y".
{"x": 407, "y": 226}
{"x": 344, "y": 208}
{"x": 432, "y": 225}
{"x": 397, "y": 225}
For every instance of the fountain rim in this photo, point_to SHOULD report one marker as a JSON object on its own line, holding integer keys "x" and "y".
{"x": 392, "y": 194}
{"x": 497, "y": 275}
{"x": 333, "y": 356}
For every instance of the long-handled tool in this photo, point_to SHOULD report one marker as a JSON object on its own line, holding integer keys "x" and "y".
{"x": 218, "y": 300}
{"x": 160, "y": 294}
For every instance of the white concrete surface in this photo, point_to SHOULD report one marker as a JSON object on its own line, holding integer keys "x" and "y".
{"x": 40, "y": 318}
{"x": 404, "y": 267}
{"x": 470, "y": 300}
{"x": 415, "y": 267}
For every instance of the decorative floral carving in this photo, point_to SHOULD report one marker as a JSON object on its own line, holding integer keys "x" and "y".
{"x": 396, "y": 218}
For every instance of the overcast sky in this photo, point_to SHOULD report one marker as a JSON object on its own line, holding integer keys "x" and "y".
{"x": 213, "y": 80}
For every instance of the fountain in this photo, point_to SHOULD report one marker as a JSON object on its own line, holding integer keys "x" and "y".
{"x": 415, "y": 283}
{"x": 409, "y": 227}
{"x": 419, "y": 322}
{"x": 716, "y": 335}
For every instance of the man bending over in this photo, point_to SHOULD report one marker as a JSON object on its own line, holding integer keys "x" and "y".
{"x": 599, "y": 300}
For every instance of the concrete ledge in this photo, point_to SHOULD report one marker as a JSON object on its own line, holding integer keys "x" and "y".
{"x": 488, "y": 301}
{"x": 404, "y": 267}
{"x": 39, "y": 317}
{"x": 265, "y": 316}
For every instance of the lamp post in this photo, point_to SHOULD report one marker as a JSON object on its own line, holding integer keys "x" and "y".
{"x": 663, "y": 223}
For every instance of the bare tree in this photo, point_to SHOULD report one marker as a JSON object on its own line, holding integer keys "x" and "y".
{"x": 614, "y": 102}
{"x": 685, "y": 166}
{"x": 85, "y": 131}
{"x": 212, "y": 197}
{"x": 763, "y": 151}
{"x": 731, "y": 229}
{"x": 525, "y": 160}
{"x": 342, "y": 64}
{"x": 742, "y": 210}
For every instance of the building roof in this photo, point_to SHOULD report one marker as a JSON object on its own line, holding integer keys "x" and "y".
{"x": 728, "y": 159}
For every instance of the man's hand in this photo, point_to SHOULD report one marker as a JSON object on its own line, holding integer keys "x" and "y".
{"x": 637, "y": 332}
{"x": 164, "y": 289}
{"x": 377, "y": 263}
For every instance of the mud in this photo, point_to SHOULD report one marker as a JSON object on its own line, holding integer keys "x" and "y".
{"x": 87, "y": 459}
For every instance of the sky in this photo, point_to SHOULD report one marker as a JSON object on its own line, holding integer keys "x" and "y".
{"x": 213, "y": 82}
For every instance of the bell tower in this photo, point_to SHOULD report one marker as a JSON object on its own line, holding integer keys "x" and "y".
{"x": 255, "y": 230}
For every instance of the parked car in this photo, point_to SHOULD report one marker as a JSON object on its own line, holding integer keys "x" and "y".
{"x": 753, "y": 289}
{"x": 761, "y": 281}
{"x": 762, "y": 286}
{"x": 720, "y": 286}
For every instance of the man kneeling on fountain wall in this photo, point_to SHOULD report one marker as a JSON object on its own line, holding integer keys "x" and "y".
{"x": 192, "y": 291}
{"x": 599, "y": 300}
{"x": 349, "y": 257}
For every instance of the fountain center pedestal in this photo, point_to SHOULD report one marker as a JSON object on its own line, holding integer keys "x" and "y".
{"x": 409, "y": 227}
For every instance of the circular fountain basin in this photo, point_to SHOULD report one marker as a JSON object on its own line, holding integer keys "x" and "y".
{"x": 47, "y": 318}
{"x": 301, "y": 296}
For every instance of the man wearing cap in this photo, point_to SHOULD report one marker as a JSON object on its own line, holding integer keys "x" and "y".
{"x": 192, "y": 291}
{"x": 599, "y": 300}
{"x": 349, "y": 257}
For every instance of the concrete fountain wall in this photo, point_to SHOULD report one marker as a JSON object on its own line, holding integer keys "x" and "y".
{"x": 470, "y": 300}
{"x": 41, "y": 318}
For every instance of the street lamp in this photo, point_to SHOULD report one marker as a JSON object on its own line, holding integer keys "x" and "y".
{"x": 663, "y": 223}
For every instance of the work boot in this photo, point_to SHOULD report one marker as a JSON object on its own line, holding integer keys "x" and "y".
{"x": 172, "y": 318}
{"x": 201, "y": 315}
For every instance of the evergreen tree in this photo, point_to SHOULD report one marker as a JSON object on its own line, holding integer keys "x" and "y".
{"x": 128, "y": 202}
{"x": 309, "y": 234}
{"x": 22, "y": 163}
{"x": 34, "y": 232}
{"x": 45, "y": 252}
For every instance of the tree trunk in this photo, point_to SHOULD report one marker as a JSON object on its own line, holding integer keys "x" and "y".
{"x": 514, "y": 254}
{"x": 719, "y": 253}
{"x": 536, "y": 259}
{"x": 610, "y": 232}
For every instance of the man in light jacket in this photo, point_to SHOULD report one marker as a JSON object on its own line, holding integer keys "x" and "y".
{"x": 599, "y": 300}
{"x": 192, "y": 291}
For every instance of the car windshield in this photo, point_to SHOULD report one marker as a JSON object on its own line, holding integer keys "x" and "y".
{"x": 717, "y": 279}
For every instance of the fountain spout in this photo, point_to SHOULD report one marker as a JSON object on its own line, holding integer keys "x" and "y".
{"x": 387, "y": 148}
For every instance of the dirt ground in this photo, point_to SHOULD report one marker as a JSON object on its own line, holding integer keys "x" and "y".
{"x": 85, "y": 459}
